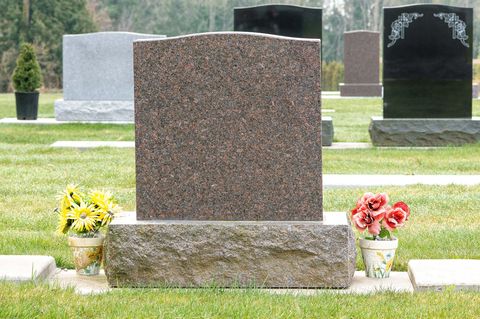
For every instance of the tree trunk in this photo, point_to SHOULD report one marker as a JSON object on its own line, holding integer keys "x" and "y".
{"x": 377, "y": 9}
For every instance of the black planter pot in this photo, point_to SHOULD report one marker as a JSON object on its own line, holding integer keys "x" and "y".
{"x": 27, "y": 105}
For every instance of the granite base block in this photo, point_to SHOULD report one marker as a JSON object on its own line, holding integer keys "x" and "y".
{"x": 94, "y": 111}
{"x": 361, "y": 89}
{"x": 424, "y": 132}
{"x": 231, "y": 254}
{"x": 327, "y": 131}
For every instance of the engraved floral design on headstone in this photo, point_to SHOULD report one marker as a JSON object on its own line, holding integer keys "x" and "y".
{"x": 456, "y": 24}
{"x": 399, "y": 25}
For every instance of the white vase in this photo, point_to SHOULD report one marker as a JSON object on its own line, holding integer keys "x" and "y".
{"x": 378, "y": 256}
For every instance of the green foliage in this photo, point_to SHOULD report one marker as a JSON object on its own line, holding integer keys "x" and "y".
{"x": 476, "y": 73}
{"x": 42, "y": 23}
{"x": 27, "y": 76}
{"x": 332, "y": 75}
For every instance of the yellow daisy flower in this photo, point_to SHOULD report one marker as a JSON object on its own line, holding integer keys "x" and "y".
{"x": 107, "y": 215}
{"x": 71, "y": 195}
{"x": 101, "y": 200}
{"x": 83, "y": 217}
{"x": 63, "y": 221}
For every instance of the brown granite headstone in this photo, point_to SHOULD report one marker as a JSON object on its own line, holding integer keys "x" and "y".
{"x": 228, "y": 127}
{"x": 361, "y": 61}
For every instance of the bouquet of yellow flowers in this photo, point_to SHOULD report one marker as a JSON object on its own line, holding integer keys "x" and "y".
{"x": 83, "y": 214}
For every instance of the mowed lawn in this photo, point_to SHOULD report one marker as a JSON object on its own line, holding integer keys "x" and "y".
{"x": 445, "y": 221}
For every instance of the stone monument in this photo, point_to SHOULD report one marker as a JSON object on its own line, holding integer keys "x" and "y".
{"x": 427, "y": 78}
{"x": 289, "y": 21}
{"x": 229, "y": 169}
{"x": 98, "y": 77}
{"x": 362, "y": 64}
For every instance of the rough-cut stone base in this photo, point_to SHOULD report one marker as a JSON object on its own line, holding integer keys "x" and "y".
{"x": 360, "y": 89}
{"x": 424, "y": 132}
{"x": 230, "y": 254}
{"x": 94, "y": 111}
{"x": 327, "y": 131}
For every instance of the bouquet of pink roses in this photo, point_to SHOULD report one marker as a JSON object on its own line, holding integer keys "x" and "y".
{"x": 374, "y": 215}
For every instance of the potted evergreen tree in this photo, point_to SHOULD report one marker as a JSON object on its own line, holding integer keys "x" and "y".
{"x": 27, "y": 78}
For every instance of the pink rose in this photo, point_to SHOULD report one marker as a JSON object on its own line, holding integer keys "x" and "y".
{"x": 364, "y": 219}
{"x": 404, "y": 207}
{"x": 360, "y": 206}
{"x": 375, "y": 202}
{"x": 394, "y": 218}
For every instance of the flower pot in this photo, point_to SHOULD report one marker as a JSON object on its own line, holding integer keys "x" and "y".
{"x": 27, "y": 105}
{"x": 378, "y": 256}
{"x": 87, "y": 254}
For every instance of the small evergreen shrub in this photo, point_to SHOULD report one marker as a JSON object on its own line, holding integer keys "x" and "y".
{"x": 27, "y": 76}
{"x": 332, "y": 75}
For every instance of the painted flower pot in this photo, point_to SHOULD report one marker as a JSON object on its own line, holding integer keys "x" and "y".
{"x": 87, "y": 254}
{"x": 378, "y": 256}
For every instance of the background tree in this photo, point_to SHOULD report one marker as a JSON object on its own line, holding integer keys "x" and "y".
{"x": 42, "y": 23}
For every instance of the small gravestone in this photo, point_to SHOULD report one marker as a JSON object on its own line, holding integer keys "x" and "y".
{"x": 98, "y": 76}
{"x": 289, "y": 21}
{"x": 362, "y": 64}
{"x": 229, "y": 168}
{"x": 23, "y": 268}
{"x": 427, "y": 78}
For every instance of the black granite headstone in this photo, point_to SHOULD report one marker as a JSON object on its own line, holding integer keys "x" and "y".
{"x": 427, "y": 62}
{"x": 285, "y": 20}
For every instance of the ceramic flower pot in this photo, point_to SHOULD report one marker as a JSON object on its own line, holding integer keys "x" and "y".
{"x": 378, "y": 256}
{"x": 87, "y": 254}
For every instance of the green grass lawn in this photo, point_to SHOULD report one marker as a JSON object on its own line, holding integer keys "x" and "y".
{"x": 28, "y": 301}
{"x": 445, "y": 221}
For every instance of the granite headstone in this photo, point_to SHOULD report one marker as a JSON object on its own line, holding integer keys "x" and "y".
{"x": 98, "y": 76}
{"x": 427, "y": 78}
{"x": 229, "y": 168}
{"x": 246, "y": 146}
{"x": 427, "y": 62}
{"x": 362, "y": 64}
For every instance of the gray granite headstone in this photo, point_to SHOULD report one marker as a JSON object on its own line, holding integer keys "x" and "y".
{"x": 361, "y": 60}
{"x": 98, "y": 76}
{"x": 229, "y": 168}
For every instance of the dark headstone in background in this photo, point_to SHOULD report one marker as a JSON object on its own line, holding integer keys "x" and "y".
{"x": 228, "y": 127}
{"x": 285, "y": 20}
{"x": 427, "y": 62}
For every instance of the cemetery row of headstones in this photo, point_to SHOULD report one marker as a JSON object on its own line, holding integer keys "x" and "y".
{"x": 427, "y": 71}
